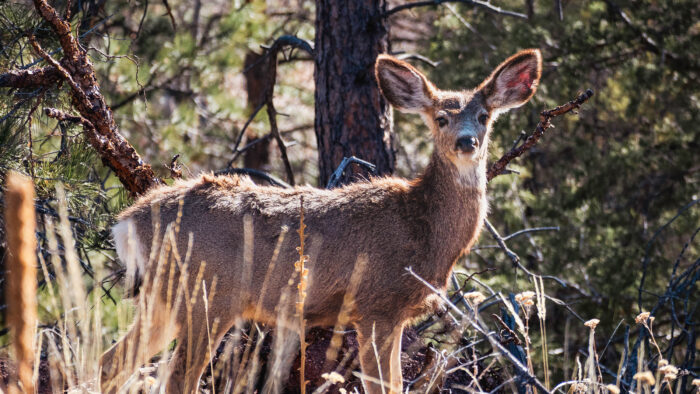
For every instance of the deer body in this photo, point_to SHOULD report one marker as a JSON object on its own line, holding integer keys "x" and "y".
{"x": 236, "y": 228}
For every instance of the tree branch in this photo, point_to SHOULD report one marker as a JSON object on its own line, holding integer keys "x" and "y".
{"x": 545, "y": 117}
{"x": 477, "y": 3}
{"x": 95, "y": 116}
{"x": 30, "y": 78}
{"x": 271, "y": 56}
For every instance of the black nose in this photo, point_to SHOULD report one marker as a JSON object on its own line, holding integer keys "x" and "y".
{"x": 467, "y": 144}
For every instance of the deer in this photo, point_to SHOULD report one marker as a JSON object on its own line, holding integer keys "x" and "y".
{"x": 231, "y": 231}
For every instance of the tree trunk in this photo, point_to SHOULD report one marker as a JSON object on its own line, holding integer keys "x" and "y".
{"x": 352, "y": 118}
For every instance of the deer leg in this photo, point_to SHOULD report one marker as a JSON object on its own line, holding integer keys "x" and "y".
{"x": 380, "y": 356}
{"x": 118, "y": 363}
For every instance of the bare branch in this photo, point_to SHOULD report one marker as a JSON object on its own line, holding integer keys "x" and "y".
{"x": 279, "y": 44}
{"x": 170, "y": 14}
{"x": 95, "y": 116}
{"x": 271, "y": 56}
{"x": 477, "y": 3}
{"x": 514, "y": 257}
{"x": 242, "y": 132}
{"x": 272, "y": 116}
{"x": 335, "y": 177}
{"x": 30, "y": 78}
{"x": 416, "y": 56}
{"x": 545, "y": 117}
{"x": 478, "y": 326}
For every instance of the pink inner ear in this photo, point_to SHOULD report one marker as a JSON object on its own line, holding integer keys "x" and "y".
{"x": 523, "y": 79}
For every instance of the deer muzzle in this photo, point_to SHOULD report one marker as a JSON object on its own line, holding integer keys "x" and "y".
{"x": 466, "y": 144}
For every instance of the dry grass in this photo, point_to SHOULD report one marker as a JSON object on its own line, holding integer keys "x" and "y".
{"x": 466, "y": 340}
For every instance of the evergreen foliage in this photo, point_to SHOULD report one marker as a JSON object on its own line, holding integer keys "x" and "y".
{"x": 621, "y": 180}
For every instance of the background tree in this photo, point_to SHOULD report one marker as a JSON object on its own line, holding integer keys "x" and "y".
{"x": 620, "y": 182}
{"x": 352, "y": 118}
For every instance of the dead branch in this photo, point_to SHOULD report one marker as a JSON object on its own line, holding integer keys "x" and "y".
{"x": 175, "y": 167}
{"x": 335, "y": 177}
{"x": 271, "y": 56}
{"x": 522, "y": 370}
{"x": 94, "y": 114}
{"x": 477, "y": 3}
{"x": 545, "y": 117}
{"x": 514, "y": 257}
{"x": 272, "y": 116}
{"x": 416, "y": 56}
{"x": 30, "y": 78}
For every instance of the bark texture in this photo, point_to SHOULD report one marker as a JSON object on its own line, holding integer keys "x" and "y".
{"x": 352, "y": 118}
{"x": 96, "y": 117}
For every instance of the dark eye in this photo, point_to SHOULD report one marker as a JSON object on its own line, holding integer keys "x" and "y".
{"x": 441, "y": 121}
{"x": 483, "y": 118}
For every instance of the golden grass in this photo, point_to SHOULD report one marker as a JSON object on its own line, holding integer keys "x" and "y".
{"x": 73, "y": 345}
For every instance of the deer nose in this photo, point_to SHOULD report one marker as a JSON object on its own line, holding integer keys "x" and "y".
{"x": 466, "y": 144}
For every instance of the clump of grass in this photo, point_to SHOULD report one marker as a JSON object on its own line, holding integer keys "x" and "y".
{"x": 73, "y": 345}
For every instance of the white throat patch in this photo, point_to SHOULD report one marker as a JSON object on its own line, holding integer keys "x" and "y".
{"x": 471, "y": 174}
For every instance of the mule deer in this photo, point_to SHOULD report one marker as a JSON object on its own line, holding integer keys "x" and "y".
{"x": 426, "y": 223}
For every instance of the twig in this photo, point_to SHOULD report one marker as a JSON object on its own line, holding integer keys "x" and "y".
{"x": 272, "y": 116}
{"x": 487, "y": 6}
{"x": 240, "y": 135}
{"x": 170, "y": 13}
{"x": 266, "y": 137}
{"x": 501, "y": 243}
{"x": 648, "y": 42}
{"x": 62, "y": 116}
{"x": 280, "y": 43}
{"x": 514, "y": 257}
{"x": 545, "y": 117}
{"x": 416, "y": 56}
{"x": 175, "y": 167}
{"x": 271, "y": 52}
{"x": 335, "y": 177}
{"x": 522, "y": 369}
{"x": 647, "y": 249}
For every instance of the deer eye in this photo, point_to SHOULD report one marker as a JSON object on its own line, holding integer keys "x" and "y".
{"x": 441, "y": 121}
{"x": 483, "y": 118}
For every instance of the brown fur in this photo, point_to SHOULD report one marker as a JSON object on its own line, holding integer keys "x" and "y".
{"x": 392, "y": 223}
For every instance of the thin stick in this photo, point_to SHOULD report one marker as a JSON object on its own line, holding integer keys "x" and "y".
{"x": 546, "y": 116}
{"x": 487, "y": 6}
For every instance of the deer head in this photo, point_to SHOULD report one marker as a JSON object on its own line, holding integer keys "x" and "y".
{"x": 460, "y": 121}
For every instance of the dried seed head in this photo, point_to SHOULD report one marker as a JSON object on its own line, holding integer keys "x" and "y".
{"x": 612, "y": 389}
{"x": 333, "y": 377}
{"x": 642, "y": 318}
{"x": 645, "y": 377}
{"x": 528, "y": 303}
{"x": 696, "y": 382}
{"x": 474, "y": 297}
{"x": 663, "y": 362}
{"x": 592, "y": 323}
{"x": 669, "y": 372}
{"x": 524, "y": 296}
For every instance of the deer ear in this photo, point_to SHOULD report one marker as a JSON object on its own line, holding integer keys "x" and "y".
{"x": 514, "y": 81}
{"x": 403, "y": 86}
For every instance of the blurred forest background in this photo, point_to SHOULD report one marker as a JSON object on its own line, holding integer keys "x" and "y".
{"x": 620, "y": 182}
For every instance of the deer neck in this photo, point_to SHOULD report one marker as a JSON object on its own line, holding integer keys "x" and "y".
{"x": 455, "y": 206}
